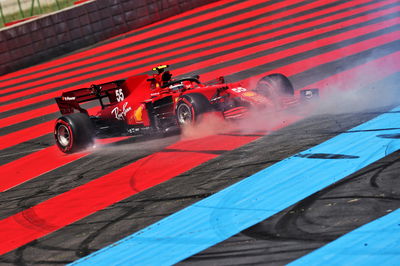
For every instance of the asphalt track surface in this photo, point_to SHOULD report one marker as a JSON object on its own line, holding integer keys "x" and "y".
{"x": 56, "y": 209}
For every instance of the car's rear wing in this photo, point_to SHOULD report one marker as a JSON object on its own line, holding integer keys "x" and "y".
{"x": 70, "y": 101}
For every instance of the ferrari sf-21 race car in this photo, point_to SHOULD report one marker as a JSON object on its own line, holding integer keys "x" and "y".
{"x": 149, "y": 104}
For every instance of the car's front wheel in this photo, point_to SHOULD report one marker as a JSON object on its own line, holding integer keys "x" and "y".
{"x": 275, "y": 85}
{"x": 73, "y": 132}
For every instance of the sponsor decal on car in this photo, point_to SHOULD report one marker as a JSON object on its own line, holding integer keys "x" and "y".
{"x": 249, "y": 94}
{"x": 67, "y": 98}
{"x": 138, "y": 114}
{"x": 239, "y": 89}
{"x": 121, "y": 114}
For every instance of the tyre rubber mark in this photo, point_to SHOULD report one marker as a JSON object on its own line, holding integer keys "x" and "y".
{"x": 69, "y": 207}
{"x": 31, "y": 166}
{"x": 390, "y": 136}
{"x": 326, "y": 156}
{"x": 372, "y": 244}
{"x": 253, "y": 199}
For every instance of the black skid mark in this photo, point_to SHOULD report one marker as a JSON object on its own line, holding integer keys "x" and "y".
{"x": 390, "y": 136}
{"x": 84, "y": 249}
{"x": 165, "y": 199}
{"x": 20, "y": 254}
{"x": 210, "y": 257}
{"x": 21, "y": 261}
{"x": 289, "y": 224}
{"x": 326, "y": 156}
{"x": 373, "y": 180}
{"x": 372, "y": 130}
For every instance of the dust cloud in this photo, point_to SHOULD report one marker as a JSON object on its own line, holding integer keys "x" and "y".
{"x": 256, "y": 121}
{"x": 208, "y": 124}
{"x": 361, "y": 91}
{"x": 133, "y": 145}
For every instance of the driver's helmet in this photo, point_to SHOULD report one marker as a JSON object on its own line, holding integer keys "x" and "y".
{"x": 166, "y": 77}
{"x": 163, "y": 76}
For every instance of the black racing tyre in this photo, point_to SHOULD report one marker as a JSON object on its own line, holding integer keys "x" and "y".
{"x": 74, "y": 132}
{"x": 275, "y": 85}
{"x": 190, "y": 107}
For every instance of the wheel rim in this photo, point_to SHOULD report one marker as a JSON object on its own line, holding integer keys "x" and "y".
{"x": 184, "y": 114}
{"x": 63, "y": 135}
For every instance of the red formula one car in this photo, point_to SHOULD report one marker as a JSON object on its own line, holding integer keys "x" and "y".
{"x": 146, "y": 104}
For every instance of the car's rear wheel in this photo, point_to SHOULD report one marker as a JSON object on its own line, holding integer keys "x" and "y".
{"x": 275, "y": 85}
{"x": 190, "y": 107}
{"x": 74, "y": 132}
